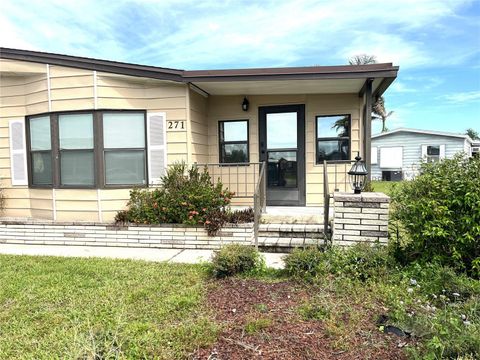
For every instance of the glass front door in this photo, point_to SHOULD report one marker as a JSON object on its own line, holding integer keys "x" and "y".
{"x": 282, "y": 147}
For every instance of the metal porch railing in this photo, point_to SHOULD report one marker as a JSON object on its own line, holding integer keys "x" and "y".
{"x": 335, "y": 178}
{"x": 246, "y": 180}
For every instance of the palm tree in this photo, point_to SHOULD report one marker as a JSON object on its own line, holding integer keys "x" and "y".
{"x": 380, "y": 113}
{"x": 378, "y": 108}
{"x": 341, "y": 126}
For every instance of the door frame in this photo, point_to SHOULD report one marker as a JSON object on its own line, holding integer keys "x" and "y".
{"x": 262, "y": 150}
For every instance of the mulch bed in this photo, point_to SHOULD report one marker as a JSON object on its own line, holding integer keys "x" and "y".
{"x": 238, "y": 302}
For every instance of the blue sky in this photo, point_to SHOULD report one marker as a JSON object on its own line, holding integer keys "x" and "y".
{"x": 435, "y": 43}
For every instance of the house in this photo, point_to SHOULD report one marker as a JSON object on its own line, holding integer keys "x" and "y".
{"x": 397, "y": 154}
{"x": 79, "y": 133}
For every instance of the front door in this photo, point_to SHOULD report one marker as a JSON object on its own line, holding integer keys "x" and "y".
{"x": 282, "y": 147}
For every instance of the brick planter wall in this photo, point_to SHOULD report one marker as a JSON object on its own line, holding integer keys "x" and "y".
{"x": 360, "y": 218}
{"x": 101, "y": 234}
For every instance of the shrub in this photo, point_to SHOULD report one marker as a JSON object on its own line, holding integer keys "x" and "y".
{"x": 187, "y": 196}
{"x": 217, "y": 218}
{"x": 360, "y": 262}
{"x": 235, "y": 259}
{"x": 439, "y": 213}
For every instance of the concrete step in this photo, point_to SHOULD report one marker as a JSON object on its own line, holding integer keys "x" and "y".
{"x": 300, "y": 231}
{"x": 286, "y": 244}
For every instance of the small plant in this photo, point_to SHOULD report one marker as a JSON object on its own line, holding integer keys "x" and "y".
{"x": 235, "y": 259}
{"x": 303, "y": 263}
{"x": 359, "y": 262}
{"x": 254, "y": 326}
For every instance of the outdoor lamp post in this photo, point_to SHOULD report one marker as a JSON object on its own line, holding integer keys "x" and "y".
{"x": 358, "y": 175}
{"x": 245, "y": 104}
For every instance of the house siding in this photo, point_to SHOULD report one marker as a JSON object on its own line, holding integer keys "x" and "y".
{"x": 412, "y": 149}
{"x": 229, "y": 108}
{"x": 42, "y": 89}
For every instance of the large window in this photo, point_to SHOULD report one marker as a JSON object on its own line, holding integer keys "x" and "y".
{"x": 332, "y": 138}
{"x": 87, "y": 149}
{"x": 233, "y": 138}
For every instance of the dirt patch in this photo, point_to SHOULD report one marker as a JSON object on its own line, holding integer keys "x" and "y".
{"x": 261, "y": 320}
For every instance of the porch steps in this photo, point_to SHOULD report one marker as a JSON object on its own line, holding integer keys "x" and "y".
{"x": 286, "y": 237}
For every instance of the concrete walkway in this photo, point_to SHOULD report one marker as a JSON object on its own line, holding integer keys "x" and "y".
{"x": 186, "y": 256}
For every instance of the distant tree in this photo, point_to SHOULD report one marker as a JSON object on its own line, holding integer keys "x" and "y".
{"x": 362, "y": 59}
{"x": 473, "y": 134}
{"x": 341, "y": 126}
{"x": 378, "y": 108}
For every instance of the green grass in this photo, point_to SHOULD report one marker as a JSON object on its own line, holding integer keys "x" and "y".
{"x": 97, "y": 308}
{"x": 383, "y": 186}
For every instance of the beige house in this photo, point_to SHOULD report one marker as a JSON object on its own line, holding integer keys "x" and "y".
{"x": 78, "y": 133}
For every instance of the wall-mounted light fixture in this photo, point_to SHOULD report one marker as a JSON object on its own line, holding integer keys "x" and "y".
{"x": 245, "y": 104}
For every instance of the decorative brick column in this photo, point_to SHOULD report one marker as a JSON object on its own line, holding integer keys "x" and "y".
{"x": 360, "y": 218}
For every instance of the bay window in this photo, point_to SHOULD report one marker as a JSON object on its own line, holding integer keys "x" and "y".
{"x": 87, "y": 149}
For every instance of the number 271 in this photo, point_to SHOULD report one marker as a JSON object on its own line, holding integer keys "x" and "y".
{"x": 176, "y": 125}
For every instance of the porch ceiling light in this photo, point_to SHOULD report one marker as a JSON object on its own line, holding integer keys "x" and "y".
{"x": 245, "y": 104}
{"x": 358, "y": 175}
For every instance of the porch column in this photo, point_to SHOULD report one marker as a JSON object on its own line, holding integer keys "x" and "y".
{"x": 367, "y": 128}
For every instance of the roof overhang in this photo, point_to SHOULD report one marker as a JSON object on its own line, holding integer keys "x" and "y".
{"x": 423, "y": 132}
{"x": 260, "y": 81}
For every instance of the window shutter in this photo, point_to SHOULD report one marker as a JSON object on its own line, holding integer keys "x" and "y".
{"x": 18, "y": 152}
{"x": 442, "y": 152}
{"x": 156, "y": 143}
{"x": 424, "y": 152}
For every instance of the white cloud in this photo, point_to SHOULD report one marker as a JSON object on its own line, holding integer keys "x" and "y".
{"x": 193, "y": 34}
{"x": 462, "y": 97}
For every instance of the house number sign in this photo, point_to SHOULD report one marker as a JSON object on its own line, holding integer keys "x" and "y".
{"x": 176, "y": 125}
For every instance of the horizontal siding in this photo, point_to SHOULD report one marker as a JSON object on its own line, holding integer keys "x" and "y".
{"x": 412, "y": 149}
{"x": 73, "y": 89}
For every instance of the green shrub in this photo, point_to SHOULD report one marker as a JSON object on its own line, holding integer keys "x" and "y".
{"x": 303, "y": 263}
{"x": 186, "y": 196}
{"x": 360, "y": 262}
{"x": 235, "y": 259}
{"x": 439, "y": 215}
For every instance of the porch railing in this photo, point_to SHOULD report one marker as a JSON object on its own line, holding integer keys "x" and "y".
{"x": 335, "y": 178}
{"x": 246, "y": 180}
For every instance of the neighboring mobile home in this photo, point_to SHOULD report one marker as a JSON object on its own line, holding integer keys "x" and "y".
{"x": 79, "y": 133}
{"x": 397, "y": 154}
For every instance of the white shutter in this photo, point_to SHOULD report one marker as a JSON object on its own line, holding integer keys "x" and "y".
{"x": 18, "y": 152}
{"x": 374, "y": 155}
{"x": 424, "y": 151}
{"x": 157, "y": 147}
{"x": 442, "y": 152}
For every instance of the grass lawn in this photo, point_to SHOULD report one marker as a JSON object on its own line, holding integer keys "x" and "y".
{"x": 383, "y": 186}
{"x": 53, "y": 307}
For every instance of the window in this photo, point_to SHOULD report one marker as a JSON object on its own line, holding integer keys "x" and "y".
{"x": 433, "y": 153}
{"x": 41, "y": 151}
{"x": 233, "y": 141}
{"x": 332, "y": 138}
{"x": 76, "y": 149}
{"x": 124, "y": 148}
{"x": 87, "y": 149}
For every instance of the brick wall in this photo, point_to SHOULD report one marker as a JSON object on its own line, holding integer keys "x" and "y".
{"x": 360, "y": 218}
{"x": 100, "y": 234}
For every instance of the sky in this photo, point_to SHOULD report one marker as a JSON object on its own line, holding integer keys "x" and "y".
{"x": 435, "y": 43}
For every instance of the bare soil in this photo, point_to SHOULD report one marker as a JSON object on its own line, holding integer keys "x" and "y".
{"x": 261, "y": 320}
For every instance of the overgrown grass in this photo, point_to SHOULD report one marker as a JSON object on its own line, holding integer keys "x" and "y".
{"x": 100, "y": 309}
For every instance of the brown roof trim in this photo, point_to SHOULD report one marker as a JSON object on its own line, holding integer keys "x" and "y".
{"x": 311, "y": 72}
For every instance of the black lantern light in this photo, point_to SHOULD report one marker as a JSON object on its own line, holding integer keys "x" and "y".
{"x": 245, "y": 104}
{"x": 358, "y": 175}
